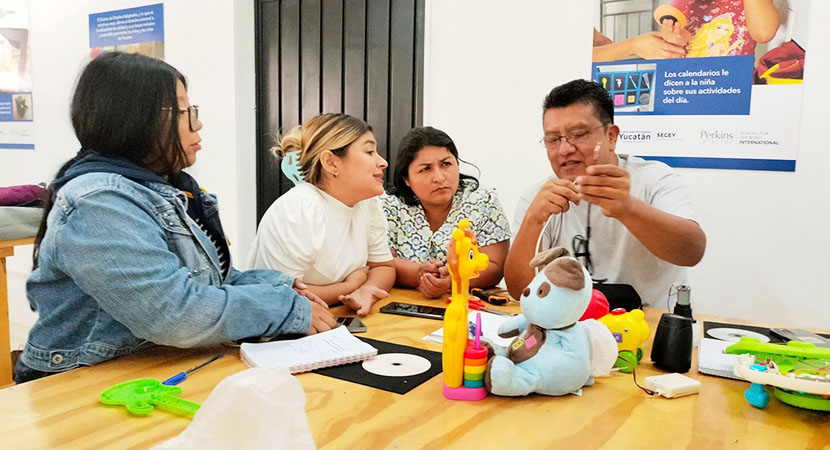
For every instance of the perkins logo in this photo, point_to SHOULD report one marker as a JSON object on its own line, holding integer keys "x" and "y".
{"x": 717, "y": 135}
{"x": 635, "y": 135}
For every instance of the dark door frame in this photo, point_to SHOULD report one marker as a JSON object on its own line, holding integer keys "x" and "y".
{"x": 361, "y": 57}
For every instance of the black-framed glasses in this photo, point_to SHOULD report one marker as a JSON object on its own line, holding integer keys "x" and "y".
{"x": 576, "y": 139}
{"x": 192, "y": 115}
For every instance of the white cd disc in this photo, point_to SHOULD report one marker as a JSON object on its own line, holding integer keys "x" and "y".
{"x": 397, "y": 365}
{"x": 735, "y": 334}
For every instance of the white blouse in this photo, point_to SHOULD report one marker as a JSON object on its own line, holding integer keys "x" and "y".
{"x": 310, "y": 235}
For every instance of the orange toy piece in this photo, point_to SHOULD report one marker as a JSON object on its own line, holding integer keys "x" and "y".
{"x": 668, "y": 12}
{"x": 464, "y": 262}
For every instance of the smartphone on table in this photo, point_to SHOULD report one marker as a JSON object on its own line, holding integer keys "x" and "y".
{"x": 353, "y": 324}
{"x": 408, "y": 309}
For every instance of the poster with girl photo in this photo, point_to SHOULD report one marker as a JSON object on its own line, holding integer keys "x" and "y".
{"x": 733, "y": 69}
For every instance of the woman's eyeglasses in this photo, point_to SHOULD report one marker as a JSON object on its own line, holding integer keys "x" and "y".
{"x": 192, "y": 115}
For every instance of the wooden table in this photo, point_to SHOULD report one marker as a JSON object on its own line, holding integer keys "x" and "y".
{"x": 7, "y": 250}
{"x": 63, "y": 410}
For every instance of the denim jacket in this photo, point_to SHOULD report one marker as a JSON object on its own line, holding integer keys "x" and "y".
{"x": 122, "y": 267}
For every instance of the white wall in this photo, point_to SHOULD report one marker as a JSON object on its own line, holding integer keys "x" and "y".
{"x": 488, "y": 66}
{"x": 490, "y": 63}
{"x": 212, "y": 43}
{"x": 768, "y": 255}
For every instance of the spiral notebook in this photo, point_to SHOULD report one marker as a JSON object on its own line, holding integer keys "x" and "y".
{"x": 330, "y": 348}
{"x": 711, "y": 359}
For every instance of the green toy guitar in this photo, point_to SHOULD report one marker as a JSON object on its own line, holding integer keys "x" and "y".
{"x": 142, "y": 395}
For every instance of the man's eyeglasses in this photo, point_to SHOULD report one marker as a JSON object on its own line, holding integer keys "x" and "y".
{"x": 577, "y": 138}
{"x": 192, "y": 115}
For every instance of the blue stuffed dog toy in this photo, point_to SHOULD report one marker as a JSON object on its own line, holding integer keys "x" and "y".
{"x": 552, "y": 353}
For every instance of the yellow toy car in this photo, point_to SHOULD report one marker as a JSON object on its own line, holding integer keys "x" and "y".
{"x": 630, "y": 331}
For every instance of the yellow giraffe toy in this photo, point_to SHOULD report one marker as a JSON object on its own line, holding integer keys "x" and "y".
{"x": 464, "y": 262}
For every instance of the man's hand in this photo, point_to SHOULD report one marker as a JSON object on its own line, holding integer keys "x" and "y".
{"x": 554, "y": 198}
{"x": 321, "y": 317}
{"x": 362, "y": 299}
{"x": 434, "y": 285}
{"x": 607, "y": 186}
{"x": 651, "y": 45}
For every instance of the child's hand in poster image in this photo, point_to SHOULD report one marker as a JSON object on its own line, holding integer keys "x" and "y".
{"x": 653, "y": 45}
{"x": 650, "y": 45}
{"x": 673, "y": 32}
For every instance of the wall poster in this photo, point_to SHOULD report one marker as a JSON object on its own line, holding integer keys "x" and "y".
{"x": 705, "y": 83}
{"x": 16, "y": 126}
{"x": 132, "y": 30}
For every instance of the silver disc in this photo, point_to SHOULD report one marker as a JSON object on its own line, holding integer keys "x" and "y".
{"x": 735, "y": 334}
{"x": 397, "y": 365}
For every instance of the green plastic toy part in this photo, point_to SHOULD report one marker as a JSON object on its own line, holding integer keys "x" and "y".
{"x": 141, "y": 395}
{"x": 803, "y": 400}
{"x": 795, "y": 359}
{"x": 784, "y": 356}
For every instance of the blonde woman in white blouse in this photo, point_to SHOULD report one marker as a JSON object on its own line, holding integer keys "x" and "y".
{"x": 330, "y": 231}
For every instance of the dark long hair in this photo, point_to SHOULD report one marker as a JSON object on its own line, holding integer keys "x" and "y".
{"x": 416, "y": 139}
{"x": 118, "y": 110}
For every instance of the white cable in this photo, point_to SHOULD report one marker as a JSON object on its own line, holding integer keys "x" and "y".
{"x": 539, "y": 242}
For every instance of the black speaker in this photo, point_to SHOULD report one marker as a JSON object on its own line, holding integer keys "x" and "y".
{"x": 672, "y": 347}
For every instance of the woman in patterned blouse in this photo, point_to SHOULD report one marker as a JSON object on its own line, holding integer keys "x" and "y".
{"x": 428, "y": 197}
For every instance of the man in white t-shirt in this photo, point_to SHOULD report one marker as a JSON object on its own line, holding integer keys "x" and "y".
{"x": 626, "y": 219}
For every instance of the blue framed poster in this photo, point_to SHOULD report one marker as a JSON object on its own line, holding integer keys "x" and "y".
{"x": 132, "y": 30}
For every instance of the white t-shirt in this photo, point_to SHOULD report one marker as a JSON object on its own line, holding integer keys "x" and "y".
{"x": 310, "y": 235}
{"x": 615, "y": 253}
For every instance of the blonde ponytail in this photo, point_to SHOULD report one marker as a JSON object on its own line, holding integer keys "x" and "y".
{"x": 290, "y": 142}
{"x": 326, "y": 132}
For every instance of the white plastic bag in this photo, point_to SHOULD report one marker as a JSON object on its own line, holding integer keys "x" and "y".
{"x": 603, "y": 347}
{"x": 253, "y": 409}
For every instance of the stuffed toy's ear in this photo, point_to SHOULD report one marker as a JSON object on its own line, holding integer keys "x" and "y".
{"x": 543, "y": 258}
{"x": 566, "y": 273}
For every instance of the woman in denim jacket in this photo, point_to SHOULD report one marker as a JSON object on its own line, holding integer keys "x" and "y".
{"x": 131, "y": 252}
